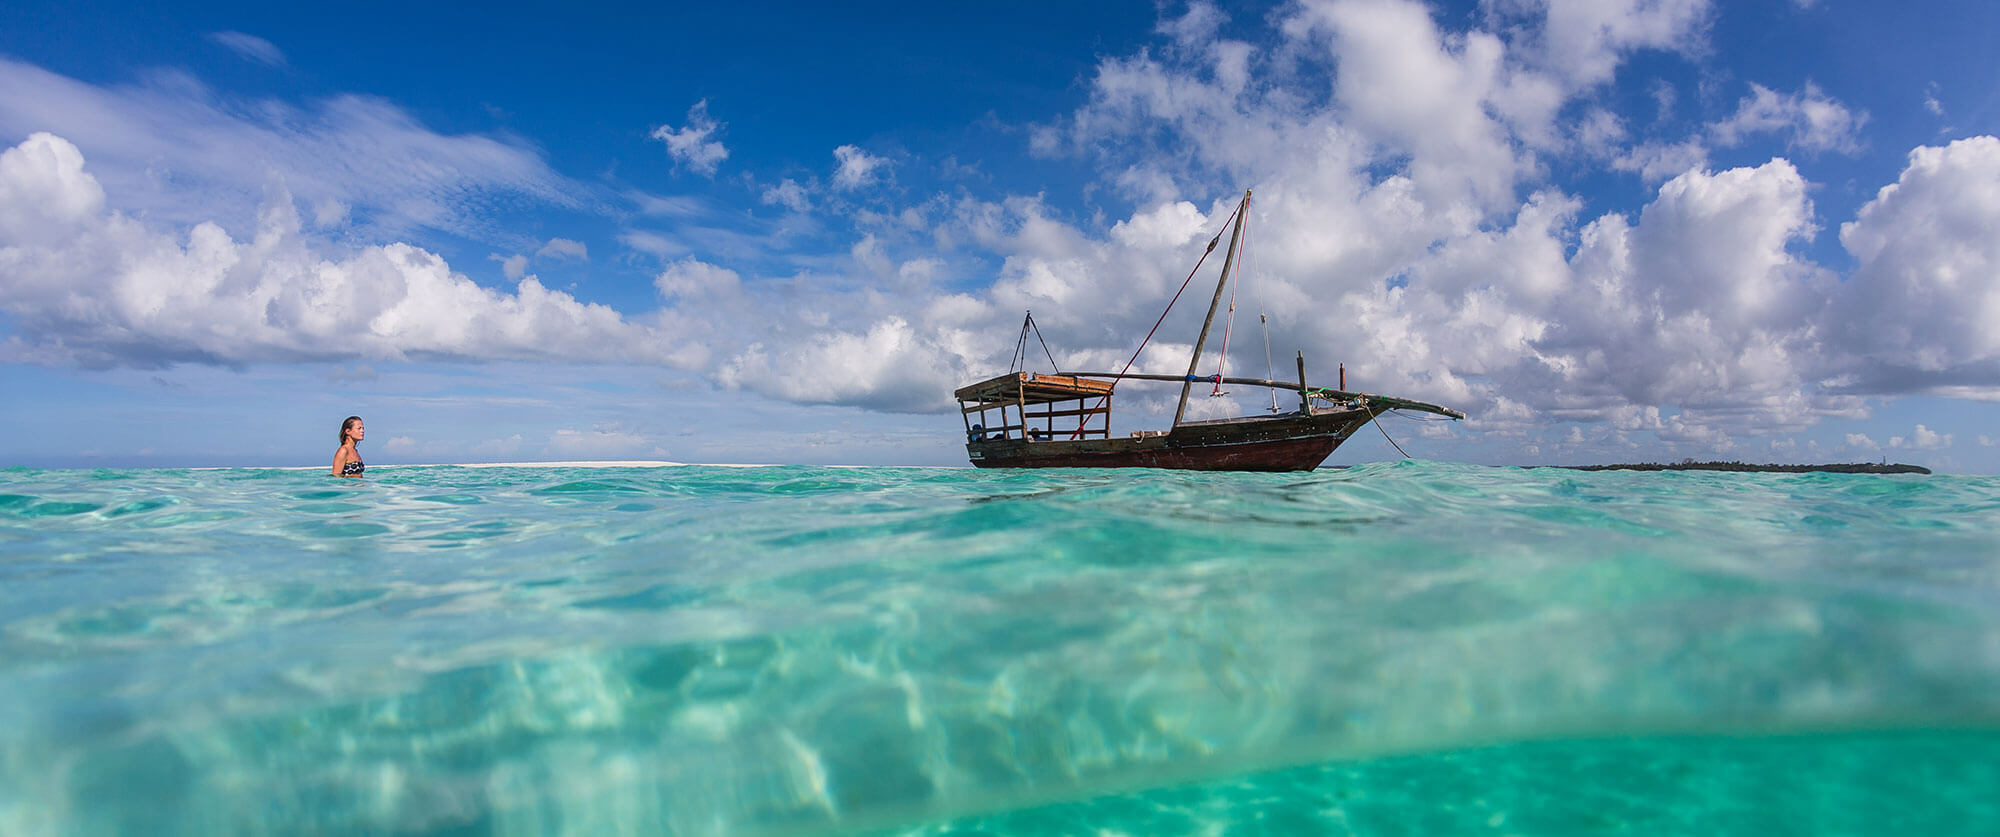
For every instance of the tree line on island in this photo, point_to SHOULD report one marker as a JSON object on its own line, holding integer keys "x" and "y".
{"x": 1745, "y": 467}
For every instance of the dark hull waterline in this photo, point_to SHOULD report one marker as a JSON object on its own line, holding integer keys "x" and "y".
{"x": 1292, "y": 442}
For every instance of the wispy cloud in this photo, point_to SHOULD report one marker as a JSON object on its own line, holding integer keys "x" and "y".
{"x": 170, "y": 148}
{"x": 788, "y": 194}
{"x": 251, "y": 47}
{"x": 855, "y": 168}
{"x": 564, "y": 248}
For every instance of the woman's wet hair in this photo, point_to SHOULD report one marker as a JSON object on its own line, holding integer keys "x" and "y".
{"x": 349, "y": 422}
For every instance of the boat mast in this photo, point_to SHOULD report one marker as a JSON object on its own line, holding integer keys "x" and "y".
{"x": 1228, "y": 261}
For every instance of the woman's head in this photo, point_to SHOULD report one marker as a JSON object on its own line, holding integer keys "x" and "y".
{"x": 351, "y": 427}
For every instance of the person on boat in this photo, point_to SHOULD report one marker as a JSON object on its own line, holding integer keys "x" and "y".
{"x": 347, "y": 460}
{"x": 977, "y": 433}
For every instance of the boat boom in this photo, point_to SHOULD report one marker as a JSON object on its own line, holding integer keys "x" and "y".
{"x": 1391, "y": 401}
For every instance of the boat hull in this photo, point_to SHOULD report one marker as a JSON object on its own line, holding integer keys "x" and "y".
{"x": 1291, "y": 442}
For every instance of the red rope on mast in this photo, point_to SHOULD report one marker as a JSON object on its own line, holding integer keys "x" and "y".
{"x": 1085, "y": 419}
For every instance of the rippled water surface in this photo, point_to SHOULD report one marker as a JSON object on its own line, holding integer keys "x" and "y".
{"x": 1417, "y": 648}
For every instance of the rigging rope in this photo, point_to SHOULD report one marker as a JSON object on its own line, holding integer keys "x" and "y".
{"x": 1385, "y": 435}
{"x": 1229, "y": 323}
{"x": 1268, "y": 374}
{"x": 1021, "y": 347}
{"x": 1263, "y": 322}
{"x": 1222, "y": 357}
{"x": 1082, "y": 420}
{"x": 1045, "y": 344}
{"x": 1020, "y": 343}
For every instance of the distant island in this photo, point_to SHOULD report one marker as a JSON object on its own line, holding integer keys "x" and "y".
{"x": 1745, "y": 467}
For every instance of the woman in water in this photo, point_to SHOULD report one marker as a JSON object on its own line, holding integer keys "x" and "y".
{"x": 347, "y": 460}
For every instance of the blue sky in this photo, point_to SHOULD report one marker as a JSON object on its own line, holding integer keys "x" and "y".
{"x": 1609, "y": 231}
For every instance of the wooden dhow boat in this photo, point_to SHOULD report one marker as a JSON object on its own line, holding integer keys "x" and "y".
{"x": 1063, "y": 420}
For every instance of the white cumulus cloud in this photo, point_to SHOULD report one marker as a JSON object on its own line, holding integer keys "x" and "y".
{"x": 513, "y": 267}
{"x": 1920, "y": 310}
{"x": 93, "y": 286}
{"x": 1584, "y": 41}
{"x": 1809, "y": 120}
{"x": 693, "y": 145}
{"x": 1657, "y": 161}
{"x": 1400, "y": 79}
{"x": 1922, "y": 438}
{"x": 691, "y": 277}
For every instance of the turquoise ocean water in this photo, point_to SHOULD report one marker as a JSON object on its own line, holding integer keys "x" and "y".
{"x": 1410, "y": 648}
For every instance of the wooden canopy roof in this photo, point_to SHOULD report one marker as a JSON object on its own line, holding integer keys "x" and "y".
{"x": 1032, "y": 388}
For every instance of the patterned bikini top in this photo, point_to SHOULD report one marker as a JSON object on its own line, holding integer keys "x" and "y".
{"x": 352, "y": 469}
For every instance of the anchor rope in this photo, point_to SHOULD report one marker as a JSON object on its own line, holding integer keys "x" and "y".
{"x": 1385, "y": 435}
